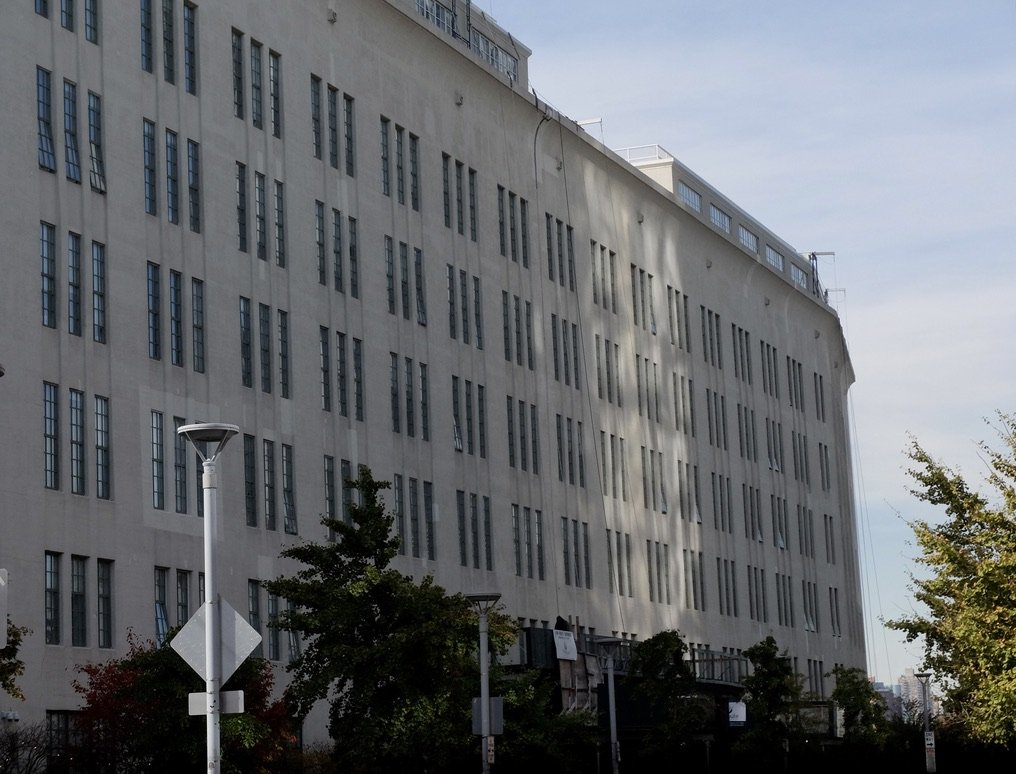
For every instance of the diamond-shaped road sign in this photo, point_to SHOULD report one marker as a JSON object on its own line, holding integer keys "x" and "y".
{"x": 239, "y": 639}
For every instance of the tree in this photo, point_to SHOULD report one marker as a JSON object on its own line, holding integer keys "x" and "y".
{"x": 12, "y": 667}
{"x": 23, "y": 750}
{"x": 864, "y": 710}
{"x": 135, "y": 717}
{"x": 969, "y": 596}
{"x": 772, "y": 695}
{"x": 394, "y": 658}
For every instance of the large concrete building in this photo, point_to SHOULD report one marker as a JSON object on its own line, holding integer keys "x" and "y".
{"x": 598, "y": 386}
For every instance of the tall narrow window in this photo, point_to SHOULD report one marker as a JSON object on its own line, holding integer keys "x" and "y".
{"x": 283, "y": 353}
{"x": 190, "y": 46}
{"x": 319, "y": 242}
{"x": 182, "y": 597}
{"x": 280, "y": 225}
{"x": 52, "y": 588}
{"x": 73, "y": 283}
{"x": 51, "y": 434}
{"x": 67, "y": 14}
{"x": 256, "y": 101}
{"x": 158, "y": 462}
{"x": 386, "y": 172}
{"x": 241, "y": 206}
{"x": 179, "y": 466}
{"x": 424, "y": 403}
{"x": 315, "y": 115}
{"x": 246, "y": 355}
{"x": 358, "y": 379}
{"x": 250, "y": 484}
{"x": 44, "y": 109}
{"x": 169, "y": 41}
{"x": 404, "y": 275}
{"x": 354, "y": 271}
{"x": 472, "y": 204}
{"x": 172, "y": 178}
{"x": 98, "y": 292}
{"x": 421, "y": 294}
{"x": 198, "y": 325}
{"x": 154, "y": 312}
{"x": 325, "y": 349}
{"x": 414, "y": 172}
{"x": 103, "y": 454}
{"x": 288, "y": 491}
{"x": 104, "y": 603}
{"x": 148, "y": 139}
{"x": 268, "y": 458}
{"x": 71, "y": 157}
{"x": 47, "y": 254}
{"x": 146, "y": 36}
{"x": 78, "y": 474}
{"x": 333, "y": 126}
{"x": 194, "y": 186}
{"x": 265, "y": 346}
{"x": 238, "y": 89}
{"x": 97, "y": 175}
{"x": 347, "y": 117}
{"x": 275, "y": 91}
{"x": 175, "y": 318}
{"x": 341, "y": 373}
{"x": 260, "y": 216}
{"x": 400, "y": 163}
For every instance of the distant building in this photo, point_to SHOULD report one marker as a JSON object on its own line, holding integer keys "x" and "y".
{"x": 597, "y": 385}
{"x": 890, "y": 696}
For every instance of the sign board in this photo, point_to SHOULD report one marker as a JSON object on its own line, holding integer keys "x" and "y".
{"x": 490, "y": 750}
{"x": 564, "y": 642}
{"x": 230, "y": 703}
{"x": 737, "y": 713}
{"x": 238, "y": 640}
{"x": 496, "y": 716}
{"x": 929, "y": 739}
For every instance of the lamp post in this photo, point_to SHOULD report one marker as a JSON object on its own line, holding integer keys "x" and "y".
{"x": 483, "y": 603}
{"x": 929, "y": 737}
{"x": 201, "y": 437}
{"x": 609, "y": 647}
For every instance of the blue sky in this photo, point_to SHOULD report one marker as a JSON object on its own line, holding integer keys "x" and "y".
{"x": 884, "y": 131}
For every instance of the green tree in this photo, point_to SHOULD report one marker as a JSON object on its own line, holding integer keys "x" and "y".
{"x": 12, "y": 667}
{"x": 395, "y": 658}
{"x": 134, "y": 715}
{"x": 970, "y": 592}
{"x": 864, "y": 710}
{"x": 772, "y": 695}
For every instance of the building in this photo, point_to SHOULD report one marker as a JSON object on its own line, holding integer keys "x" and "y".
{"x": 598, "y": 386}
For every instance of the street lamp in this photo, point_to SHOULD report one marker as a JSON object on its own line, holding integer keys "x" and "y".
{"x": 205, "y": 436}
{"x": 483, "y": 603}
{"x": 929, "y": 738}
{"x": 609, "y": 647}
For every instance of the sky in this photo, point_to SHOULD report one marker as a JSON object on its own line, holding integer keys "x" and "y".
{"x": 881, "y": 130}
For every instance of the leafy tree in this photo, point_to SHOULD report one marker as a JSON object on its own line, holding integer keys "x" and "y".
{"x": 864, "y": 710}
{"x": 12, "y": 667}
{"x": 772, "y": 695}
{"x": 661, "y": 677}
{"x": 968, "y": 628}
{"x": 135, "y": 717}
{"x": 395, "y": 658}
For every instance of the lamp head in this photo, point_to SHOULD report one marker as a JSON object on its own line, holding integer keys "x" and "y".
{"x": 203, "y": 433}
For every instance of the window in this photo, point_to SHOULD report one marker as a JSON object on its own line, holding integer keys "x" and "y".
{"x": 161, "y": 606}
{"x": 77, "y": 410}
{"x": 260, "y": 216}
{"x": 358, "y": 379}
{"x": 386, "y": 172}
{"x": 315, "y": 115}
{"x": 79, "y": 612}
{"x": 97, "y": 175}
{"x": 719, "y": 218}
{"x": 190, "y": 46}
{"x": 47, "y": 254}
{"x": 146, "y": 36}
{"x": 73, "y": 283}
{"x": 168, "y": 41}
{"x": 256, "y": 101}
{"x": 414, "y": 172}
{"x": 42, "y": 8}
{"x": 424, "y": 403}
{"x": 280, "y": 225}
{"x": 421, "y": 296}
{"x": 324, "y": 348}
{"x": 194, "y": 186}
{"x": 472, "y": 204}
{"x": 246, "y": 355}
{"x": 390, "y": 273}
{"x": 238, "y": 89}
{"x": 241, "y": 206}
{"x": 198, "y": 324}
{"x": 98, "y": 292}
{"x": 182, "y": 597}
{"x": 148, "y": 141}
{"x": 747, "y": 239}
{"x": 104, "y": 603}
{"x": 52, "y": 588}
{"x": 333, "y": 126}
{"x": 689, "y": 196}
{"x": 154, "y": 318}
{"x": 103, "y": 455}
{"x": 275, "y": 91}
{"x": 273, "y": 627}
{"x": 176, "y": 318}
{"x": 400, "y": 163}
{"x": 43, "y": 80}
{"x": 265, "y": 346}
{"x": 250, "y": 500}
{"x": 347, "y": 117}
{"x": 254, "y": 609}
{"x": 71, "y": 157}
{"x": 172, "y": 178}
{"x": 179, "y": 466}
{"x": 158, "y": 462}
{"x": 288, "y": 491}
{"x": 774, "y": 258}
{"x": 268, "y": 459}
{"x": 319, "y": 242}
{"x": 51, "y": 434}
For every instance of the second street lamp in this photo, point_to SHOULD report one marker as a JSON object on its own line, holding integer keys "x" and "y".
{"x": 483, "y": 604}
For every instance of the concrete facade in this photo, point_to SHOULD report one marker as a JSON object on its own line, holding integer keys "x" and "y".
{"x": 532, "y": 271}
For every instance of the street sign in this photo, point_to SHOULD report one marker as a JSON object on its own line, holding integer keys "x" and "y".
{"x": 238, "y": 640}
{"x": 496, "y": 716}
{"x": 3, "y": 608}
{"x": 230, "y": 703}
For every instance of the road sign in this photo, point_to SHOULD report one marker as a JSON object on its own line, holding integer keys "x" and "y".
{"x": 230, "y": 703}
{"x": 496, "y": 716}
{"x": 3, "y": 608}
{"x": 239, "y": 639}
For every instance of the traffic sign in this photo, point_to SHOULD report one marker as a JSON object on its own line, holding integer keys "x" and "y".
{"x": 239, "y": 639}
{"x": 3, "y": 608}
